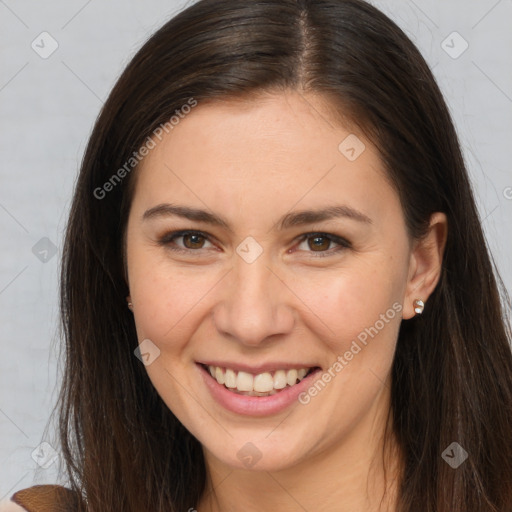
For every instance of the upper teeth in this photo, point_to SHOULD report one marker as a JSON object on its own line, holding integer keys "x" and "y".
{"x": 261, "y": 383}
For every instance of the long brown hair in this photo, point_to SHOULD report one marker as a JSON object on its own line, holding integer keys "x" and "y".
{"x": 124, "y": 450}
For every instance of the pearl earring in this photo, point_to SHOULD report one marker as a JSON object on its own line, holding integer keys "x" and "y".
{"x": 419, "y": 305}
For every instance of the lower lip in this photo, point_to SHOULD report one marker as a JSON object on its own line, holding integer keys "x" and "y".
{"x": 255, "y": 405}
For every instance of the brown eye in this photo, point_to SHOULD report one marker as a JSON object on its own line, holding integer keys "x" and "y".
{"x": 319, "y": 243}
{"x": 183, "y": 241}
{"x": 323, "y": 244}
{"x": 193, "y": 241}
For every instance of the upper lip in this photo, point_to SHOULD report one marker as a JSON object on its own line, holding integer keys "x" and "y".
{"x": 260, "y": 368}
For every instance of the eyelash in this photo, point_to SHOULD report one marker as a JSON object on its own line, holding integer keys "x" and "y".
{"x": 168, "y": 239}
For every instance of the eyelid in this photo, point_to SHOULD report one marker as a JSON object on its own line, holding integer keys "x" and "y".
{"x": 167, "y": 239}
{"x": 341, "y": 242}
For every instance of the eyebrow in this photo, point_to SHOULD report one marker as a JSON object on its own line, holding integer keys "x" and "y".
{"x": 289, "y": 220}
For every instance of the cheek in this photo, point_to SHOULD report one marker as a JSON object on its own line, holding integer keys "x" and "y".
{"x": 357, "y": 318}
{"x": 348, "y": 301}
{"x": 169, "y": 304}
{"x": 358, "y": 305}
{"x": 167, "y": 299}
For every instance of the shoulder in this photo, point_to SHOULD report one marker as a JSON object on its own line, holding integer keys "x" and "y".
{"x": 10, "y": 506}
{"x": 41, "y": 498}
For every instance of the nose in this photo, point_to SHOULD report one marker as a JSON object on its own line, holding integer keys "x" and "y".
{"x": 255, "y": 305}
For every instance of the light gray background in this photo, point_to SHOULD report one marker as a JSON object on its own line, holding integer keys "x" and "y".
{"x": 48, "y": 106}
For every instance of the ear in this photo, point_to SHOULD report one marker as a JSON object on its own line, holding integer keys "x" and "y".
{"x": 425, "y": 263}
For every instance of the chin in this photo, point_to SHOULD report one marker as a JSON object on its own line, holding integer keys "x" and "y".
{"x": 259, "y": 452}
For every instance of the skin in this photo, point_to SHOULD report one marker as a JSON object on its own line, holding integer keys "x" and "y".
{"x": 251, "y": 162}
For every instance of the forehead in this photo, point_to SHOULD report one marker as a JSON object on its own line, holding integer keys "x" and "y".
{"x": 289, "y": 124}
{"x": 273, "y": 151}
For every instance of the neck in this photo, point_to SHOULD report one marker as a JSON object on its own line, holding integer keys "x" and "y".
{"x": 356, "y": 475}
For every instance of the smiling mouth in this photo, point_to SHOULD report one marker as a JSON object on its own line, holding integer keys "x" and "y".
{"x": 262, "y": 384}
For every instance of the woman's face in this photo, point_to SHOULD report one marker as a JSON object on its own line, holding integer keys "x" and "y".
{"x": 295, "y": 257}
